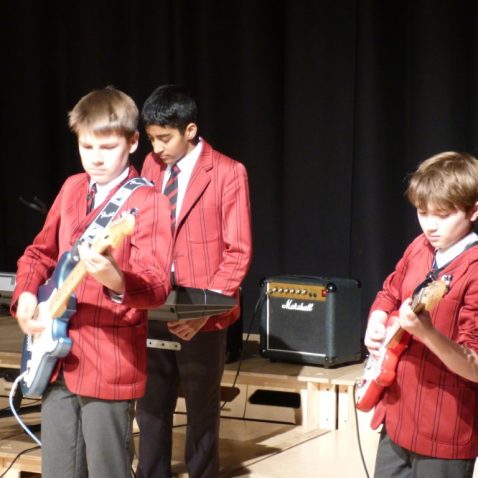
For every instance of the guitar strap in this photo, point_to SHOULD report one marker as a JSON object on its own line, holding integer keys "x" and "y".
{"x": 110, "y": 210}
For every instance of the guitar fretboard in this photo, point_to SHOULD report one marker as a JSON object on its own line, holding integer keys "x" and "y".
{"x": 60, "y": 298}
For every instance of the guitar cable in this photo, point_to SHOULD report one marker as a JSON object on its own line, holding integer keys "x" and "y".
{"x": 246, "y": 341}
{"x": 357, "y": 431}
{"x": 19, "y": 420}
{"x": 15, "y": 414}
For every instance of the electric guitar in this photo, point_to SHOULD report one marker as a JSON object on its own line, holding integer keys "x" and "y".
{"x": 56, "y": 305}
{"x": 380, "y": 372}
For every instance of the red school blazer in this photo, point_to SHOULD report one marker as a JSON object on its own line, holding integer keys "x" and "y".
{"x": 108, "y": 355}
{"x": 429, "y": 409}
{"x": 212, "y": 241}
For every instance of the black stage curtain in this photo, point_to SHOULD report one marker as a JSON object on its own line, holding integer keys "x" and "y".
{"x": 329, "y": 104}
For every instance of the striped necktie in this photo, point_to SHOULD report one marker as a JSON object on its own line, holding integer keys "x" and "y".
{"x": 90, "y": 198}
{"x": 171, "y": 192}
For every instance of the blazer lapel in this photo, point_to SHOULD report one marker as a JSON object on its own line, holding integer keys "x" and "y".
{"x": 198, "y": 182}
{"x": 78, "y": 197}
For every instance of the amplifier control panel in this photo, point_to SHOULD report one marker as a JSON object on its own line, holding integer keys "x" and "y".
{"x": 288, "y": 290}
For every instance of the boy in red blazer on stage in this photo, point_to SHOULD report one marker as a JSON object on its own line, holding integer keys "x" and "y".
{"x": 87, "y": 409}
{"x": 430, "y": 412}
{"x": 212, "y": 250}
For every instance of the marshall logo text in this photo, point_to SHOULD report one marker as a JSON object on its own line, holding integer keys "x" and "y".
{"x": 292, "y": 305}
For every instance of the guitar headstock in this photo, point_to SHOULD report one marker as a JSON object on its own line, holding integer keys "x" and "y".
{"x": 429, "y": 296}
{"x": 116, "y": 231}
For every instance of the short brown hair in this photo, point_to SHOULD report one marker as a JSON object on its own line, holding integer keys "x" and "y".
{"x": 105, "y": 111}
{"x": 447, "y": 181}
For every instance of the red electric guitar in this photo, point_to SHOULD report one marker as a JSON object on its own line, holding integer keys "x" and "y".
{"x": 380, "y": 372}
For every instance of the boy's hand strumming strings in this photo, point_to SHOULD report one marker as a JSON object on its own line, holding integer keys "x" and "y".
{"x": 375, "y": 333}
{"x": 26, "y": 314}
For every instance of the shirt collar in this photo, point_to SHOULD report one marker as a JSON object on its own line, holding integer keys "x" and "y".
{"x": 443, "y": 258}
{"x": 106, "y": 188}
{"x": 187, "y": 163}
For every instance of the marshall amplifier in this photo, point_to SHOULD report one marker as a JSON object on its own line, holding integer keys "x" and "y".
{"x": 310, "y": 320}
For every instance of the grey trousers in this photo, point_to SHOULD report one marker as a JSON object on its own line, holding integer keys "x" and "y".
{"x": 393, "y": 461}
{"x": 85, "y": 437}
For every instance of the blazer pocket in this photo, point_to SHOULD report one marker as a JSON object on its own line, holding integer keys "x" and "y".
{"x": 124, "y": 356}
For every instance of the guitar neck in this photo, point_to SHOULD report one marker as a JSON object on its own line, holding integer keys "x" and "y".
{"x": 417, "y": 306}
{"x": 60, "y": 298}
{"x": 77, "y": 274}
{"x": 394, "y": 334}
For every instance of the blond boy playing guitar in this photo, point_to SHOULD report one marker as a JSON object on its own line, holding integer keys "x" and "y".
{"x": 87, "y": 408}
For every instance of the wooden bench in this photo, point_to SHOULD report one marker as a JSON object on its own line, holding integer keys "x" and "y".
{"x": 9, "y": 369}
{"x": 308, "y": 395}
{"x": 10, "y": 360}
{"x": 344, "y": 383}
{"x": 273, "y": 391}
{"x": 29, "y": 461}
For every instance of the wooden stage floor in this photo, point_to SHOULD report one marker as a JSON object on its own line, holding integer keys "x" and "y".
{"x": 316, "y": 437}
{"x": 248, "y": 449}
{"x": 286, "y": 442}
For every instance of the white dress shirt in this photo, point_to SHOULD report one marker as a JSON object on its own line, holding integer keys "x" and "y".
{"x": 443, "y": 258}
